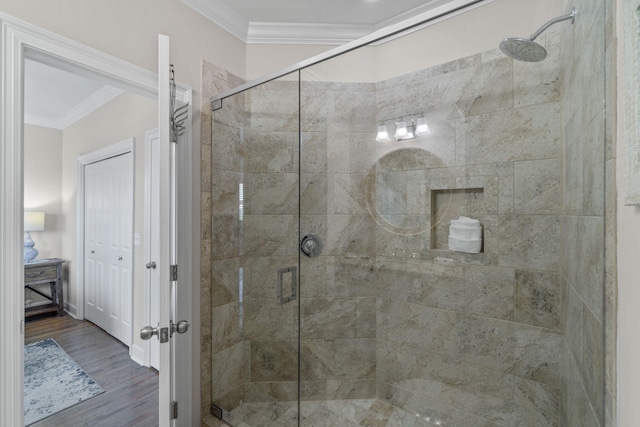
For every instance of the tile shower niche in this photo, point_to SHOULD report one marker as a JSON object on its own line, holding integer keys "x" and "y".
{"x": 450, "y": 204}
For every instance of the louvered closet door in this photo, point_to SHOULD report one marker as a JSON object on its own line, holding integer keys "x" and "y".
{"x": 108, "y": 245}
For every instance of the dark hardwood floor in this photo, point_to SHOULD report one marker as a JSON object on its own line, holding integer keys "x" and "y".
{"x": 131, "y": 391}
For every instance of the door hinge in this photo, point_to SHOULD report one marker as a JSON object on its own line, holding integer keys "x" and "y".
{"x": 174, "y": 273}
{"x": 174, "y": 410}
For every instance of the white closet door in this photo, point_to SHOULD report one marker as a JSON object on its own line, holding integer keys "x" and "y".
{"x": 108, "y": 245}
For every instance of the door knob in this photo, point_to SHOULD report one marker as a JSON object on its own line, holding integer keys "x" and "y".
{"x": 161, "y": 333}
{"x": 181, "y": 327}
{"x": 151, "y": 264}
{"x": 148, "y": 331}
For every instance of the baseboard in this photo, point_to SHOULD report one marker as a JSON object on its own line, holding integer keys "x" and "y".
{"x": 71, "y": 310}
{"x": 137, "y": 354}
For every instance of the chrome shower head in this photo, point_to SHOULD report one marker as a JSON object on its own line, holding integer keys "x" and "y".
{"x": 523, "y": 49}
{"x": 527, "y": 49}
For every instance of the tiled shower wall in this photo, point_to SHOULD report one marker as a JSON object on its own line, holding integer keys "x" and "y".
{"x": 387, "y": 311}
{"x": 584, "y": 269}
{"x": 476, "y": 338}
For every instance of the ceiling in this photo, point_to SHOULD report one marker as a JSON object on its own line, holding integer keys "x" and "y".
{"x": 57, "y": 99}
{"x": 331, "y": 22}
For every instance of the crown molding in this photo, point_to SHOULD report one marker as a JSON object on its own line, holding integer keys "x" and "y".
{"x": 86, "y": 107}
{"x": 221, "y": 15}
{"x": 317, "y": 34}
{"x": 411, "y": 13}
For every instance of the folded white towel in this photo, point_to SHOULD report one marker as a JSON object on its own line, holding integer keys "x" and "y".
{"x": 462, "y": 245}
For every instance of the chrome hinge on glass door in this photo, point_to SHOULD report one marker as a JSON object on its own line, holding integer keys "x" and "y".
{"x": 288, "y": 276}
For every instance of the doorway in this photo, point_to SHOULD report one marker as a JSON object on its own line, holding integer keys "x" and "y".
{"x": 26, "y": 41}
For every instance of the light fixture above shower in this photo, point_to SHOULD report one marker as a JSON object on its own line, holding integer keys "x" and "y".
{"x": 406, "y": 128}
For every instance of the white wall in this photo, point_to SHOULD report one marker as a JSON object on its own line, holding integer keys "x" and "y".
{"x": 43, "y": 184}
{"x": 628, "y": 250}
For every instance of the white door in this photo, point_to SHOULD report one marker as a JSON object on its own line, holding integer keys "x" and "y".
{"x": 108, "y": 234}
{"x": 174, "y": 338}
{"x": 151, "y": 238}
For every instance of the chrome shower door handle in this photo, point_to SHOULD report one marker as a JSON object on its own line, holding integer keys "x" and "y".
{"x": 293, "y": 291}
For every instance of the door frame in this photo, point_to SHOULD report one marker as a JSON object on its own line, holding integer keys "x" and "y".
{"x": 143, "y": 355}
{"x": 104, "y": 153}
{"x": 20, "y": 40}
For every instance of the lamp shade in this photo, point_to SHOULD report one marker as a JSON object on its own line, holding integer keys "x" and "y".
{"x": 33, "y": 221}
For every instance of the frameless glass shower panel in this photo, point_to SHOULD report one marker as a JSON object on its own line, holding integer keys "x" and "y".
{"x": 409, "y": 318}
{"x": 255, "y": 203}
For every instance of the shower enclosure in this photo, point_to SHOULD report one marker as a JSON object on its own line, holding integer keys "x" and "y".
{"x": 379, "y": 322}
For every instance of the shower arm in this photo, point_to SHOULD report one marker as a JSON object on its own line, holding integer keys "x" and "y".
{"x": 571, "y": 16}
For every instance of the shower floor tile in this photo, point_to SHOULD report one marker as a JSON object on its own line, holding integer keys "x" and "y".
{"x": 327, "y": 413}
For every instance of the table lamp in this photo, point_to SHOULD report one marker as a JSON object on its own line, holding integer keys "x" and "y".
{"x": 33, "y": 221}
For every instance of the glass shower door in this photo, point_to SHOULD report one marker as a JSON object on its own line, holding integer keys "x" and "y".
{"x": 255, "y": 255}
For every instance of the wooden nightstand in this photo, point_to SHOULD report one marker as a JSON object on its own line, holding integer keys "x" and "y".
{"x": 45, "y": 271}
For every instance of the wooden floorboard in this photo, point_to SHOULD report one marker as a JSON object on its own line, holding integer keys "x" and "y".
{"x": 131, "y": 390}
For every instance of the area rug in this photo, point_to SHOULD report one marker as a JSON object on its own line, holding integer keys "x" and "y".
{"x": 53, "y": 381}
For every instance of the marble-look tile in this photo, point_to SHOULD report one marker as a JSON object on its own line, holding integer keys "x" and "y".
{"x": 225, "y": 281}
{"x": 227, "y": 370}
{"x": 482, "y": 290}
{"x": 268, "y": 151}
{"x": 327, "y": 318}
{"x": 573, "y": 323}
{"x": 314, "y": 152}
{"x": 317, "y": 360}
{"x": 350, "y": 235}
{"x": 417, "y": 326}
{"x": 346, "y": 194}
{"x": 525, "y": 351}
{"x": 226, "y": 326}
{"x": 537, "y": 83}
{"x": 273, "y": 360}
{"x": 273, "y": 109}
{"x": 593, "y": 169}
{"x": 529, "y": 241}
{"x": 225, "y": 192}
{"x": 526, "y": 133}
{"x": 592, "y": 367}
{"x": 225, "y": 236}
{"x": 226, "y": 147}
{"x": 578, "y": 407}
{"x": 269, "y": 392}
{"x": 264, "y": 317}
{"x": 537, "y": 404}
{"x": 314, "y": 194}
{"x": 259, "y": 275}
{"x": 317, "y": 103}
{"x": 586, "y": 269}
{"x": 469, "y": 388}
{"x": 455, "y": 65}
{"x": 353, "y": 112}
{"x": 455, "y": 94}
{"x": 538, "y": 298}
{"x": 206, "y": 165}
{"x": 355, "y": 358}
{"x": 270, "y": 235}
{"x": 351, "y": 389}
{"x": 537, "y": 186}
{"x": 366, "y": 318}
{"x": 271, "y": 194}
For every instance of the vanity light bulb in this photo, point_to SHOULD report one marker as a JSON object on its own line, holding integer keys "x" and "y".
{"x": 383, "y": 134}
{"x": 422, "y": 128}
{"x": 401, "y": 130}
